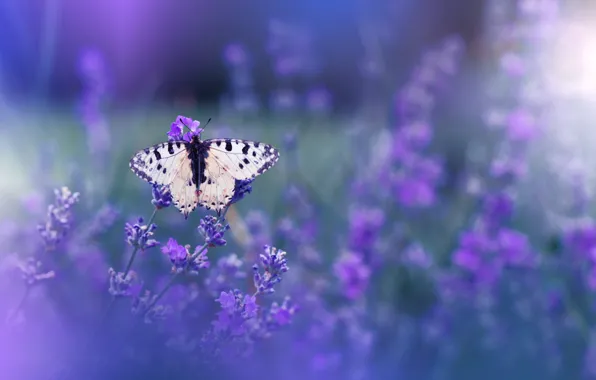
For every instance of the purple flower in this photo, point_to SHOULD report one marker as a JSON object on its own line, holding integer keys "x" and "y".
{"x": 472, "y": 248}
{"x": 145, "y": 304}
{"x": 581, "y": 237}
{"x": 514, "y": 248}
{"x": 213, "y": 231}
{"x": 497, "y": 208}
{"x": 274, "y": 264}
{"x": 414, "y": 135}
{"x": 182, "y": 260}
{"x": 318, "y": 100}
{"x": 353, "y": 274}
{"x": 282, "y": 314}
{"x": 235, "y": 55}
{"x": 227, "y": 270}
{"x": 365, "y": 227}
{"x": 236, "y": 310}
{"x": 138, "y": 235}
{"x": 32, "y": 272}
{"x": 162, "y": 197}
{"x": 59, "y": 218}
{"x": 241, "y": 189}
{"x": 414, "y": 192}
{"x": 120, "y": 285}
{"x": 258, "y": 225}
{"x": 521, "y": 125}
{"x": 176, "y": 132}
{"x": 177, "y": 253}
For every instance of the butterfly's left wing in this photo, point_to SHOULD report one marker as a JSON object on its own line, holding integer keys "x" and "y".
{"x": 241, "y": 159}
{"x": 160, "y": 164}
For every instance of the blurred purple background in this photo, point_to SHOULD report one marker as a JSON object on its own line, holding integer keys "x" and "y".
{"x": 179, "y": 44}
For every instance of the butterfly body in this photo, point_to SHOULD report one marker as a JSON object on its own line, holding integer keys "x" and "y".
{"x": 203, "y": 172}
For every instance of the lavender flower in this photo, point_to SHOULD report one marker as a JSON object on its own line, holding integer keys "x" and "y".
{"x": 182, "y": 260}
{"x": 241, "y": 189}
{"x": 281, "y": 315}
{"x": 176, "y": 132}
{"x": 274, "y": 264}
{"x": 59, "y": 218}
{"x": 365, "y": 226}
{"x": 121, "y": 284}
{"x": 227, "y": 270}
{"x": 145, "y": 305}
{"x": 213, "y": 231}
{"x": 162, "y": 197}
{"x": 236, "y": 309}
{"x": 32, "y": 272}
{"x": 241, "y": 95}
{"x": 353, "y": 274}
{"x": 138, "y": 235}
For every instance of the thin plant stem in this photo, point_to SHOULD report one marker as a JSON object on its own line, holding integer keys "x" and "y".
{"x": 136, "y": 249}
{"x": 127, "y": 270}
{"x": 173, "y": 278}
{"x": 163, "y": 291}
{"x": 20, "y": 304}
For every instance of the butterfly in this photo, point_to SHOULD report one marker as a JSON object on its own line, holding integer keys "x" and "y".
{"x": 202, "y": 172}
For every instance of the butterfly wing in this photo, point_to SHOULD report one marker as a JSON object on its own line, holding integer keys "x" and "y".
{"x": 184, "y": 192}
{"x": 168, "y": 164}
{"x": 242, "y": 159}
{"x": 217, "y": 190}
{"x": 160, "y": 163}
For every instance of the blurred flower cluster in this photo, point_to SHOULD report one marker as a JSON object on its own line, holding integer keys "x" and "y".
{"x": 406, "y": 271}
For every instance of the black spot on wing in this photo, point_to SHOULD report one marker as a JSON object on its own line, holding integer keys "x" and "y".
{"x": 245, "y": 148}
{"x": 170, "y": 148}
{"x": 228, "y": 145}
{"x": 157, "y": 154}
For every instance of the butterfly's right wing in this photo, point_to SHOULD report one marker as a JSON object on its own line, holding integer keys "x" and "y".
{"x": 160, "y": 163}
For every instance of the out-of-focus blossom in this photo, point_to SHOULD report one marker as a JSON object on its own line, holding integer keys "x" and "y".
{"x": 521, "y": 125}
{"x": 235, "y": 55}
{"x": 318, "y": 100}
{"x": 144, "y": 304}
{"x": 32, "y": 271}
{"x": 121, "y": 285}
{"x": 236, "y": 309}
{"x": 291, "y": 47}
{"x": 353, "y": 274}
{"x": 227, "y": 271}
{"x": 139, "y": 235}
{"x": 365, "y": 229}
{"x": 59, "y": 218}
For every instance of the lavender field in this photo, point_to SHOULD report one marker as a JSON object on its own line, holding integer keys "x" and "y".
{"x": 429, "y": 217}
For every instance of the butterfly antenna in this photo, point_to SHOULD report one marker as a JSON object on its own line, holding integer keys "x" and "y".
{"x": 207, "y": 123}
{"x": 182, "y": 122}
